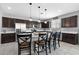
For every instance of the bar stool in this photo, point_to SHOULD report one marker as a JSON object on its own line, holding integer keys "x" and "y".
{"x": 56, "y": 39}
{"x": 41, "y": 43}
{"x": 24, "y": 42}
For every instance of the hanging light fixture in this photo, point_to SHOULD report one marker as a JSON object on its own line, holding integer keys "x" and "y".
{"x": 30, "y": 12}
{"x": 39, "y": 14}
{"x": 45, "y": 22}
{"x": 45, "y": 16}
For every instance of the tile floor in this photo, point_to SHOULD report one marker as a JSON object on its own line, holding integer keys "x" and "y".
{"x": 65, "y": 49}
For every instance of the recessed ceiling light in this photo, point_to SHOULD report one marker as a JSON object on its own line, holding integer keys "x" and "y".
{"x": 59, "y": 10}
{"x": 9, "y": 8}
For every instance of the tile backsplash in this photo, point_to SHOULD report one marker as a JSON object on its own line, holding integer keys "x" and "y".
{"x": 7, "y": 30}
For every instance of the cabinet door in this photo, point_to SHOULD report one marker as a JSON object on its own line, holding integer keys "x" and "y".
{"x": 12, "y": 23}
{"x": 12, "y": 37}
{"x": 6, "y": 38}
{"x": 3, "y": 39}
{"x": 70, "y": 38}
{"x": 36, "y": 24}
{"x": 63, "y": 22}
{"x": 8, "y": 22}
{"x": 64, "y": 37}
{"x": 66, "y": 22}
{"x": 73, "y": 21}
{"x": 45, "y": 25}
{"x": 5, "y": 22}
{"x": 28, "y": 24}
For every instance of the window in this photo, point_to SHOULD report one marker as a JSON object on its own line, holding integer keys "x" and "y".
{"x": 21, "y": 26}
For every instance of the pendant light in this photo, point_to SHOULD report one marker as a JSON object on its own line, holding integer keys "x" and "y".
{"x": 30, "y": 11}
{"x": 45, "y": 16}
{"x": 39, "y": 14}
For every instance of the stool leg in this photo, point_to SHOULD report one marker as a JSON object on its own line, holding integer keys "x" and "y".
{"x": 34, "y": 47}
{"x": 19, "y": 52}
{"x": 46, "y": 48}
{"x": 49, "y": 47}
{"x": 38, "y": 49}
{"x": 54, "y": 45}
{"x": 58, "y": 43}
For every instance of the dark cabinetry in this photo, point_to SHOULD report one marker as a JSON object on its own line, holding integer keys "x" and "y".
{"x": 6, "y": 38}
{"x": 36, "y": 24}
{"x": 70, "y": 38}
{"x": 8, "y": 22}
{"x": 29, "y": 24}
{"x": 69, "y": 21}
{"x": 44, "y": 25}
{"x": 20, "y": 21}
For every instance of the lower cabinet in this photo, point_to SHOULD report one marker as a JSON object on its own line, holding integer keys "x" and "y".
{"x": 8, "y": 37}
{"x": 70, "y": 38}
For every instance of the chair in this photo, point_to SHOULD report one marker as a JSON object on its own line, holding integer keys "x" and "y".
{"x": 41, "y": 43}
{"x": 49, "y": 41}
{"x": 56, "y": 38}
{"x": 24, "y": 42}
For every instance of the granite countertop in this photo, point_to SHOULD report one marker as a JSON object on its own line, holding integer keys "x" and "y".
{"x": 8, "y": 32}
{"x": 73, "y": 32}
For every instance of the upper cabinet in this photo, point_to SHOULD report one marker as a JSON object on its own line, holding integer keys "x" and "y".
{"x": 20, "y": 21}
{"x": 69, "y": 22}
{"x": 36, "y": 24}
{"x": 44, "y": 25}
{"x": 8, "y": 22}
{"x": 30, "y": 24}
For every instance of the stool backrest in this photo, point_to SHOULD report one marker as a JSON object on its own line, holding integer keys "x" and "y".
{"x": 24, "y": 38}
{"x": 54, "y": 35}
{"x": 58, "y": 34}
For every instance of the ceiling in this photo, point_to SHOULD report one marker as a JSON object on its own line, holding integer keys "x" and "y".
{"x": 23, "y": 9}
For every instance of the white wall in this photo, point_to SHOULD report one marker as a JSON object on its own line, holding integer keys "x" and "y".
{"x": 0, "y": 24}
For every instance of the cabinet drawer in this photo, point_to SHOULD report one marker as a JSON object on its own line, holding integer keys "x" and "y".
{"x": 6, "y": 38}
{"x": 70, "y": 38}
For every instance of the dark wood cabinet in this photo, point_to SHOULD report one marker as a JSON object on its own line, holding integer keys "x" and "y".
{"x": 36, "y": 24}
{"x": 73, "y": 21}
{"x": 5, "y": 22}
{"x": 69, "y": 22}
{"x": 44, "y": 25}
{"x": 70, "y": 38}
{"x": 20, "y": 21}
{"x": 12, "y": 23}
{"x": 8, "y": 22}
{"x": 6, "y": 38}
{"x": 29, "y": 24}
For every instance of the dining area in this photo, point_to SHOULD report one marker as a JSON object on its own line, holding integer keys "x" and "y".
{"x": 43, "y": 43}
{"x": 39, "y": 29}
{"x": 35, "y": 33}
